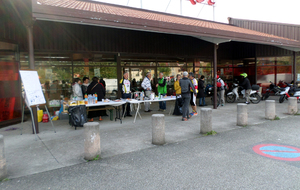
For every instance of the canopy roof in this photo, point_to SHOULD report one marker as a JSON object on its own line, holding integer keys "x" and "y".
{"x": 107, "y": 15}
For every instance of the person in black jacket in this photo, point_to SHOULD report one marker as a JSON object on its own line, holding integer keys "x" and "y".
{"x": 201, "y": 93}
{"x": 96, "y": 88}
{"x": 247, "y": 86}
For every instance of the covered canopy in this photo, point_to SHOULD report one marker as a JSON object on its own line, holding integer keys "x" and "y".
{"x": 107, "y": 15}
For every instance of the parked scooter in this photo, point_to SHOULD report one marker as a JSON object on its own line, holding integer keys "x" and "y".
{"x": 272, "y": 88}
{"x": 209, "y": 90}
{"x": 234, "y": 95}
{"x": 290, "y": 91}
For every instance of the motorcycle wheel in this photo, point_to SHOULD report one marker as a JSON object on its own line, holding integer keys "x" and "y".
{"x": 265, "y": 96}
{"x": 230, "y": 98}
{"x": 257, "y": 98}
{"x": 281, "y": 99}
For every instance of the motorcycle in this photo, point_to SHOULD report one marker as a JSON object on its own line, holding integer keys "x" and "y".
{"x": 234, "y": 95}
{"x": 272, "y": 88}
{"x": 290, "y": 91}
{"x": 209, "y": 90}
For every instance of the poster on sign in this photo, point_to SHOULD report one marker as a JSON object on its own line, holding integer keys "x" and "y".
{"x": 32, "y": 88}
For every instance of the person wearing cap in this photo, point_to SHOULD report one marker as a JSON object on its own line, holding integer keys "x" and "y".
{"x": 146, "y": 85}
{"x": 126, "y": 94}
{"x": 247, "y": 86}
{"x": 193, "y": 94}
{"x": 186, "y": 86}
{"x": 222, "y": 92}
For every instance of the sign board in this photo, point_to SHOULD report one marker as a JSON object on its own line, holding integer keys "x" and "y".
{"x": 32, "y": 88}
{"x": 278, "y": 152}
{"x": 97, "y": 72}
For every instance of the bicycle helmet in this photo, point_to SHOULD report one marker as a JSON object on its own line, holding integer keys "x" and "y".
{"x": 218, "y": 76}
{"x": 244, "y": 75}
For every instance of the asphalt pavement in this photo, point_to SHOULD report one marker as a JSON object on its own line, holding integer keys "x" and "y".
{"x": 223, "y": 161}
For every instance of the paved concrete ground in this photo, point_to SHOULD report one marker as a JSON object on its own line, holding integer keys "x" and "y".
{"x": 223, "y": 161}
{"x": 26, "y": 156}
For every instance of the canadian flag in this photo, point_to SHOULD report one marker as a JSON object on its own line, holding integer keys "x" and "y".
{"x": 209, "y": 2}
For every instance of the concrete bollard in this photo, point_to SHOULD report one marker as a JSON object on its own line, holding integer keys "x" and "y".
{"x": 242, "y": 114}
{"x": 158, "y": 129}
{"x": 270, "y": 112}
{"x": 206, "y": 120}
{"x": 292, "y": 105}
{"x": 91, "y": 140}
{"x": 3, "y": 171}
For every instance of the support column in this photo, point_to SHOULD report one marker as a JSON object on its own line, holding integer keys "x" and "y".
{"x": 294, "y": 67}
{"x": 92, "y": 147}
{"x": 205, "y": 120}
{"x": 215, "y": 75}
{"x": 119, "y": 73}
{"x": 158, "y": 129}
{"x": 30, "y": 47}
{"x": 255, "y": 59}
{"x": 3, "y": 171}
{"x": 31, "y": 66}
{"x": 242, "y": 114}
{"x": 270, "y": 108}
{"x": 292, "y": 105}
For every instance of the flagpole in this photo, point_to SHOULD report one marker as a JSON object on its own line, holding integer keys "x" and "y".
{"x": 168, "y": 6}
{"x": 141, "y": 4}
{"x": 181, "y": 7}
{"x": 213, "y": 12}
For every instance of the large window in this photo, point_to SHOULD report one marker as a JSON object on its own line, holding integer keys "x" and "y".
{"x": 298, "y": 68}
{"x": 275, "y": 69}
{"x": 203, "y": 67}
{"x": 170, "y": 70}
{"x": 57, "y": 72}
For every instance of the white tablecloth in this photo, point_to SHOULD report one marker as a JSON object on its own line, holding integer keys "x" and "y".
{"x": 168, "y": 98}
{"x": 110, "y": 103}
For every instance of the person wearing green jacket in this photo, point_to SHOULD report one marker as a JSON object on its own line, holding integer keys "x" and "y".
{"x": 162, "y": 90}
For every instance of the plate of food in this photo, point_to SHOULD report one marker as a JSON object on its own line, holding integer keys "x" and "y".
{"x": 117, "y": 100}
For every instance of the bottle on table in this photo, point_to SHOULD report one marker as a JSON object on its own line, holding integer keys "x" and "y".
{"x": 96, "y": 98}
{"x": 86, "y": 99}
{"x": 93, "y": 98}
{"x": 142, "y": 95}
{"x": 159, "y": 97}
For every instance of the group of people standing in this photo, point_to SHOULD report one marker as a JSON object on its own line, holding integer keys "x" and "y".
{"x": 95, "y": 87}
{"x": 186, "y": 89}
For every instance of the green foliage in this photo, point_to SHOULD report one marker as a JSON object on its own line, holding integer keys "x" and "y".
{"x": 96, "y": 158}
{"x": 165, "y": 70}
{"x": 210, "y": 133}
{"x": 277, "y": 118}
{"x": 245, "y": 125}
{"x": 6, "y": 179}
